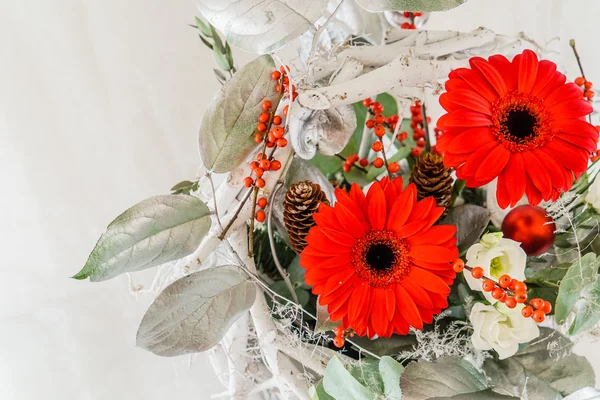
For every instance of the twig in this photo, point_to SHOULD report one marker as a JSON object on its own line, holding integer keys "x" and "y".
{"x": 385, "y": 161}
{"x": 214, "y": 196}
{"x": 237, "y": 212}
{"x": 426, "y": 127}
{"x": 251, "y": 234}
{"x": 572, "y": 44}
{"x": 282, "y": 272}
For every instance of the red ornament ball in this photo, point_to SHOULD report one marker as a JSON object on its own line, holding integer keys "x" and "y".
{"x": 531, "y": 226}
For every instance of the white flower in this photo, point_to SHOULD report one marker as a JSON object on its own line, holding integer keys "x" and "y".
{"x": 593, "y": 195}
{"x": 497, "y": 256}
{"x": 501, "y": 328}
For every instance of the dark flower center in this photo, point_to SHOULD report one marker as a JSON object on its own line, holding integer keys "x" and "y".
{"x": 520, "y": 124}
{"x": 380, "y": 257}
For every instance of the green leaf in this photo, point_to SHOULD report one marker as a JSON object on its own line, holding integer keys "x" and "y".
{"x": 366, "y": 371}
{"x": 194, "y": 313}
{"x": 546, "y": 375}
{"x": 203, "y": 28}
{"x": 487, "y": 394}
{"x": 221, "y": 58}
{"x": 386, "y": 346}
{"x": 341, "y": 385}
{"x": 154, "y": 231}
{"x": 581, "y": 275}
{"x": 470, "y": 222}
{"x": 552, "y": 274}
{"x": 228, "y": 126}
{"x": 229, "y": 54}
{"x": 409, "y": 5}
{"x": 206, "y": 42}
{"x": 401, "y": 154}
{"x": 446, "y": 377}
{"x": 389, "y": 103}
{"x": 390, "y": 371}
{"x": 215, "y": 36}
{"x": 220, "y": 76}
{"x": 297, "y": 273}
{"x": 318, "y": 392}
{"x": 182, "y": 185}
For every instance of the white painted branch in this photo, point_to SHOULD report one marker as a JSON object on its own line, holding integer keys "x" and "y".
{"x": 235, "y": 344}
{"x": 293, "y": 377}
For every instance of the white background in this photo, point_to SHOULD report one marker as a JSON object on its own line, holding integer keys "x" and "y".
{"x": 100, "y": 102}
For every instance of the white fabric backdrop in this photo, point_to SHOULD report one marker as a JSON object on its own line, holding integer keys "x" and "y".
{"x": 100, "y": 102}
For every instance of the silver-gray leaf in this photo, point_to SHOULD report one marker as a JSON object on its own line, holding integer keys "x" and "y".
{"x": 228, "y": 127}
{"x": 470, "y": 221}
{"x": 262, "y": 26}
{"x": 409, "y": 5}
{"x": 154, "y": 231}
{"x": 327, "y": 131}
{"x": 194, "y": 313}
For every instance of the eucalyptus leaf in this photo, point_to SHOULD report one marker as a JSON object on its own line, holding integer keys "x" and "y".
{"x": 580, "y": 283}
{"x": 228, "y": 126}
{"x": 203, "y": 28}
{"x": 487, "y": 394}
{"x": 222, "y": 60}
{"x": 547, "y": 368}
{"x": 154, "y": 231}
{"x": 340, "y": 384}
{"x": 409, "y": 5}
{"x": 318, "y": 392}
{"x": 446, "y": 377}
{"x": 366, "y": 371}
{"x": 182, "y": 185}
{"x": 470, "y": 221}
{"x": 587, "y": 393}
{"x": 194, "y": 313}
{"x": 326, "y": 131}
{"x": 552, "y": 274}
{"x": 393, "y": 345}
{"x": 261, "y": 26}
{"x": 390, "y": 371}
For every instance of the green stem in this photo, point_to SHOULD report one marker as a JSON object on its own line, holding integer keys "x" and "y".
{"x": 457, "y": 189}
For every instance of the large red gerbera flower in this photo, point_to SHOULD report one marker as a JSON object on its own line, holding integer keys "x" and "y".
{"x": 377, "y": 262}
{"x": 518, "y": 121}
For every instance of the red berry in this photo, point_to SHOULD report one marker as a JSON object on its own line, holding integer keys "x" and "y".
{"x": 588, "y": 85}
{"x": 521, "y": 297}
{"x": 503, "y": 298}
{"x": 248, "y": 181}
{"x": 278, "y": 88}
{"x": 275, "y": 165}
{"x": 278, "y": 132}
{"x": 294, "y": 95}
{"x": 260, "y": 216}
{"x": 527, "y": 311}
{"x": 254, "y": 165}
{"x": 266, "y": 105}
{"x": 370, "y": 124}
{"x": 497, "y": 293}
{"x": 282, "y": 142}
{"x": 264, "y": 117}
{"x": 284, "y": 69}
{"x": 379, "y": 131}
{"x": 589, "y": 94}
{"x": 377, "y": 146}
{"x": 421, "y": 142}
{"x": 265, "y": 164}
{"x": 547, "y": 307}
{"x": 537, "y": 303}
{"x": 417, "y": 151}
{"x": 271, "y": 137}
{"x": 262, "y": 202}
{"x": 270, "y": 145}
{"x": 504, "y": 281}
{"x": 406, "y": 14}
{"x": 258, "y": 172}
{"x": 379, "y": 119}
{"x": 539, "y": 316}
{"x": 477, "y": 272}
{"x": 260, "y": 156}
{"x": 347, "y": 167}
{"x": 338, "y": 341}
{"x": 520, "y": 287}
{"x": 378, "y": 162}
{"x": 393, "y": 167}
{"x": 377, "y": 108}
{"x": 262, "y": 128}
{"x": 352, "y": 159}
{"x": 275, "y": 75}
{"x": 405, "y": 25}
{"x": 260, "y": 182}
{"x": 458, "y": 266}
{"x": 363, "y": 162}
{"x": 580, "y": 81}
{"x": 367, "y": 102}
{"x": 285, "y": 110}
{"x": 258, "y": 138}
{"x": 488, "y": 285}
{"x": 277, "y": 120}
{"x": 339, "y": 331}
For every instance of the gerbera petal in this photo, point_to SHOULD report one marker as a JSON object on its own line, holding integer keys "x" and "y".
{"x": 427, "y": 280}
{"x": 379, "y": 312}
{"x": 402, "y": 208}
{"x": 377, "y": 207}
{"x": 528, "y": 67}
{"x": 435, "y": 235}
{"x": 432, "y": 253}
{"x": 319, "y": 241}
{"x": 553, "y": 168}
{"x": 538, "y": 174}
{"x": 446, "y": 103}
{"x": 474, "y": 161}
{"x": 343, "y": 197}
{"x": 575, "y": 127}
{"x": 359, "y": 198}
{"x": 464, "y": 118}
{"x": 351, "y": 224}
{"x": 567, "y": 92}
{"x": 339, "y": 237}
{"x": 419, "y": 295}
{"x": 572, "y": 157}
{"x": 325, "y": 216}
{"x": 456, "y": 83}
{"x": 555, "y": 81}
{"x": 546, "y": 71}
{"x": 411, "y": 228}
{"x": 478, "y": 83}
{"x": 454, "y": 160}
{"x": 469, "y": 100}
{"x": 514, "y": 177}
{"x": 585, "y": 143}
{"x": 493, "y": 163}
{"x": 534, "y": 197}
{"x": 422, "y": 209}
{"x": 337, "y": 261}
{"x": 407, "y": 308}
{"x": 490, "y": 73}
{"x": 431, "y": 266}
{"x": 503, "y": 66}
{"x": 470, "y": 140}
{"x": 357, "y": 301}
{"x": 390, "y": 302}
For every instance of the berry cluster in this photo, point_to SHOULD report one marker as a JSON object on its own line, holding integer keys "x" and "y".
{"x": 340, "y": 335}
{"x": 419, "y": 128}
{"x": 270, "y": 132}
{"x": 509, "y": 291}
{"x": 381, "y": 125}
{"x": 586, "y": 86}
{"x": 351, "y": 161}
{"x": 411, "y": 16}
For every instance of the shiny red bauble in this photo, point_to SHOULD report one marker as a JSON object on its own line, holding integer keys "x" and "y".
{"x": 531, "y": 226}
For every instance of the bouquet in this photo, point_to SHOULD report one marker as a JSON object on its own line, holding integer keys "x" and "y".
{"x": 338, "y": 243}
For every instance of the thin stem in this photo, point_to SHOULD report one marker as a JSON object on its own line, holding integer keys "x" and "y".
{"x": 237, "y": 212}
{"x": 214, "y": 196}
{"x": 385, "y": 161}
{"x": 282, "y": 272}
{"x": 341, "y": 157}
{"x": 251, "y": 234}
{"x": 572, "y": 44}
{"x": 365, "y": 142}
{"x": 426, "y": 128}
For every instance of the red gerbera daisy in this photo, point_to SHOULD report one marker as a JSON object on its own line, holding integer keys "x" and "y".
{"x": 377, "y": 262}
{"x": 517, "y": 121}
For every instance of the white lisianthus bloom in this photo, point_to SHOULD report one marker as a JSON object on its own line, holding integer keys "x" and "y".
{"x": 497, "y": 256}
{"x": 500, "y": 328}
{"x": 593, "y": 195}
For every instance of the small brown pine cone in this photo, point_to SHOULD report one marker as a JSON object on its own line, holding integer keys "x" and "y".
{"x": 432, "y": 178}
{"x": 301, "y": 201}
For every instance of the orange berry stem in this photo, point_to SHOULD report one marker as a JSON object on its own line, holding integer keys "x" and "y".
{"x": 572, "y": 44}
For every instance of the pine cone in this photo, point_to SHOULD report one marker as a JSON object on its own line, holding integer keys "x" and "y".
{"x": 432, "y": 178}
{"x": 301, "y": 201}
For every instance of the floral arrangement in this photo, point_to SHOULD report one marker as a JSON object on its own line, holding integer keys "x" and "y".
{"x": 338, "y": 245}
